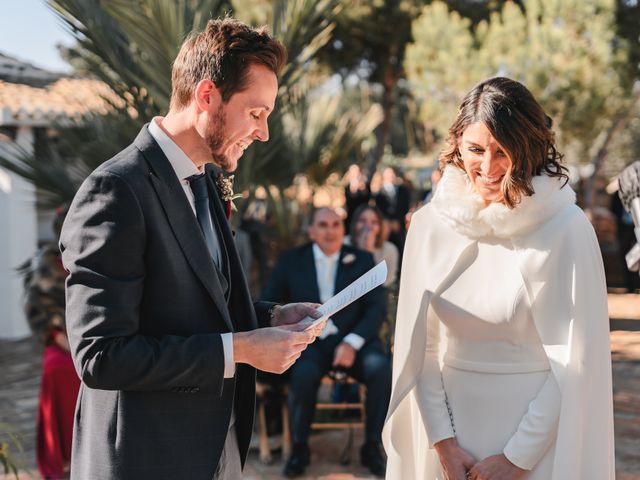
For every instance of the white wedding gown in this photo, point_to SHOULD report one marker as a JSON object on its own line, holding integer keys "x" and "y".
{"x": 495, "y": 391}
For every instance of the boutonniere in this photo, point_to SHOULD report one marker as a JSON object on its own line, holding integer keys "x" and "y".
{"x": 225, "y": 185}
{"x": 348, "y": 259}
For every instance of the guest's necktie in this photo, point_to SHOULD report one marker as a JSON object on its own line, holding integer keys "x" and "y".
{"x": 198, "y": 185}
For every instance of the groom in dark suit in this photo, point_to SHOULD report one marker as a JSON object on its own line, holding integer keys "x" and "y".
{"x": 161, "y": 325}
{"x": 317, "y": 271}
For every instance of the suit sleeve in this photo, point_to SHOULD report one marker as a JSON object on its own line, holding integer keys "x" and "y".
{"x": 103, "y": 243}
{"x": 404, "y": 202}
{"x": 374, "y": 309}
{"x": 262, "y": 312}
{"x": 277, "y": 289}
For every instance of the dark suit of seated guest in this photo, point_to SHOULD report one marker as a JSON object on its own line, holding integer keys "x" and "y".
{"x": 315, "y": 272}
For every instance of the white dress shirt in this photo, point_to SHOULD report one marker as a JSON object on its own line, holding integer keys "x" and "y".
{"x": 326, "y": 270}
{"x": 184, "y": 168}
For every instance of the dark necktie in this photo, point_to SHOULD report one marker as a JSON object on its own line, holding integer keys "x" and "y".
{"x": 198, "y": 185}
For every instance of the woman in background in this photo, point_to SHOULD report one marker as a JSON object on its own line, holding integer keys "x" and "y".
{"x": 502, "y": 367}
{"x": 367, "y": 233}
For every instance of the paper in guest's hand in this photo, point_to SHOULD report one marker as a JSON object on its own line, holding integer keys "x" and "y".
{"x": 363, "y": 285}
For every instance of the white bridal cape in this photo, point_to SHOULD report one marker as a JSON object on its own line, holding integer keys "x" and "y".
{"x": 561, "y": 266}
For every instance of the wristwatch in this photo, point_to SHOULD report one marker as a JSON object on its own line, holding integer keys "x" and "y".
{"x": 272, "y": 313}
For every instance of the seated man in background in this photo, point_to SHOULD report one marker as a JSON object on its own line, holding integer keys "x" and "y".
{"x": 315, "y": 272}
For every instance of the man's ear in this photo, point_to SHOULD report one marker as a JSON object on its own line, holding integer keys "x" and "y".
{"x": 206, "y": 95}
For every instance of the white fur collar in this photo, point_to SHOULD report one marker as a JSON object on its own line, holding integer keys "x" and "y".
{"x": 464, "y": 210}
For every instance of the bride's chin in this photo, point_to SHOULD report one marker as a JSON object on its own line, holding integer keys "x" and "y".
{"x": 488, "y": 189}
{"x": 489, "y": 195}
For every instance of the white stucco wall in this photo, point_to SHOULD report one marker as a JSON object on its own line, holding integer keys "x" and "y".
{"x": 18, "y": 241}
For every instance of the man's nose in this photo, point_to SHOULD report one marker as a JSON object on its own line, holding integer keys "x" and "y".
{"x": 262, "y": 132}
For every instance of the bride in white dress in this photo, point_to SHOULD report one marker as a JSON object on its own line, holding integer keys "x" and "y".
{"x": 502, "y": 368}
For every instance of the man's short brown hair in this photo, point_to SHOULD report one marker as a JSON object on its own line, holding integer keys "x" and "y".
{"x": 223, "y": 53}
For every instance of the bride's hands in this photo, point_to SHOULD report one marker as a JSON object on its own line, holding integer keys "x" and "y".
{"x": 456, "y": 462}
{"x": 497, "y": 467}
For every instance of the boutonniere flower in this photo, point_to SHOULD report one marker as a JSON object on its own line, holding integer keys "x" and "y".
{"x": 225, "y": 185}
{"x": 348, "y": 259}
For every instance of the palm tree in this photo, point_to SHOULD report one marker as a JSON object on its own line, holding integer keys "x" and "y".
{"x": 130, "y": 45}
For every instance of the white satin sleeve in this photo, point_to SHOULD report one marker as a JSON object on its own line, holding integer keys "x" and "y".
{"x": 431, "y": 397}
{"x": 537, "y": 429}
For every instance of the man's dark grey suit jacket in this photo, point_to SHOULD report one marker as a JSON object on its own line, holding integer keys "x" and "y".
{"x": 145, "y": 309}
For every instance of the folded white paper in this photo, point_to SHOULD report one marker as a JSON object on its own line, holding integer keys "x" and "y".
{"x": 363, "y": 285}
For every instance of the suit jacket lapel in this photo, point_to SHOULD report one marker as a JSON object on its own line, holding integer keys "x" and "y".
{"x": 239, "y": 288}
{"x": 181, "y": 219}
{"x": 220, "y": 220}
{"x": 342, "y": 279}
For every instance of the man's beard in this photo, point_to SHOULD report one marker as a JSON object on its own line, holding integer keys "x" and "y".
{"x": 215, "y": 137}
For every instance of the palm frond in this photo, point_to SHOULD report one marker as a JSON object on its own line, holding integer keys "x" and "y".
{"x": 60, "y": 164}
{"x": 53, "y": 178}
{"x": 329, "y": 134}
{"x": 100, "y": 42}
{"x": 155, "y": 30}
{"x": 130, "y": 44}
{"x": 304, "y": 26}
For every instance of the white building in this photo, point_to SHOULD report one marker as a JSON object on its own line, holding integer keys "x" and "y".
{"x": 31, "y": 99}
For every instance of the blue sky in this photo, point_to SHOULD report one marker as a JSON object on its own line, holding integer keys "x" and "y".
{"x": 30, "y": 31}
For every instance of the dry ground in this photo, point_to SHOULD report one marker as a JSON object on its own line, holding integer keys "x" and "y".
{"x": 20, "y": 367}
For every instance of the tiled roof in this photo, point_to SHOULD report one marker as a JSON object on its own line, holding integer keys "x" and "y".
{"x": 67, "y": 98}
{"x": 17, "y": 71}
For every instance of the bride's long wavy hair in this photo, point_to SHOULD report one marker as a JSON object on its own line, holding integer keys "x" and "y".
{"x": 518, "y": 123}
